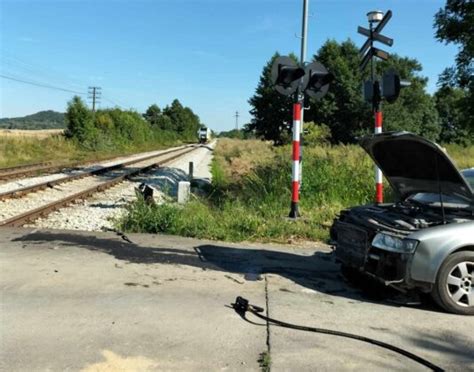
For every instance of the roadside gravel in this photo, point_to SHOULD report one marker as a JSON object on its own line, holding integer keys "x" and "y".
{"x": 99, "y": 212}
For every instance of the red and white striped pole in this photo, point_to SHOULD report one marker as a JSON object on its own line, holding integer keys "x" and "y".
{"x": 295, "y": 170}
{"x": 378, "y": 172}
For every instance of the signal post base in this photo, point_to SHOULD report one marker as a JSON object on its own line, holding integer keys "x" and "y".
{"x": 294, "y": 211}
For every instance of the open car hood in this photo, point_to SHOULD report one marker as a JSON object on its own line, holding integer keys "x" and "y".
{"x": 413, "y": 164}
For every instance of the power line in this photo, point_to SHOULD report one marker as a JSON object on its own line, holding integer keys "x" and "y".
{"x": 113, "y": 102}
{"x": 42, "y": 85}
{"x": 55, "y": 80}
{"x": 37, "y": 71}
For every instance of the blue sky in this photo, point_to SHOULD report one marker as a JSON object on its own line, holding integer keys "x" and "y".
{"x": 207, "y": 53}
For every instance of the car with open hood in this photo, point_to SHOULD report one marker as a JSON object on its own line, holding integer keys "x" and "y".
{"x": 424, "y": 239}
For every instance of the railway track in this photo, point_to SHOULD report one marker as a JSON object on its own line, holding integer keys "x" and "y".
{"x": 20, "y": 171}
{"x": 14, "y": 213}
{"x": 22, "y": 191}
{"x": 27, "y": 169}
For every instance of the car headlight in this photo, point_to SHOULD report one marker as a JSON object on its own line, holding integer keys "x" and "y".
{"x": 394, "y": 243}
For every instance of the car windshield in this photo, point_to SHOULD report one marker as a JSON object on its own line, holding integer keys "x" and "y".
{"x": 468, "y": 174}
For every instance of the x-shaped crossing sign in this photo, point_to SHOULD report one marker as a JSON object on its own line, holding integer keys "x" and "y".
{"x": 368, "y": 50}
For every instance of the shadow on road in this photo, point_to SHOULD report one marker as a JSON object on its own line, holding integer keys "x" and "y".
{"x": 317, "y": 272}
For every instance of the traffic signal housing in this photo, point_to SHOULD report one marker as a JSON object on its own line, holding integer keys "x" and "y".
{"x": 389, "y": 88}
{"x": 318, "y": 80}
{"x": 286, "y": 75}
{"x": 372, "y": 91}
{"x": 391, "y": 85}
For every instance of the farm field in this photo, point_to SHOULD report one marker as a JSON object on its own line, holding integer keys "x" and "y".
{"x": 20, "y": 133}
{"x": 20, "y": 147}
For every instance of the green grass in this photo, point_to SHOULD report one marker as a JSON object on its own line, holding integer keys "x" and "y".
{"x": 462, "y": 156}
{"x": 253, "y": 204}
{"x": 265, "y": 361}
{"x": 59, "y": 150}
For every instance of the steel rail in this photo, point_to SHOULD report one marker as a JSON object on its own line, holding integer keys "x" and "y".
{"x": 23, "y": 218}
{"x": 23, "y": 166}
{"x": 20, "y": 171}
{"x": 18, "y": 193}
{"x": 41, "y": 168}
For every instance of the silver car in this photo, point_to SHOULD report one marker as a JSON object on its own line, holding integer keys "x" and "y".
{"x": 425, "y": 239}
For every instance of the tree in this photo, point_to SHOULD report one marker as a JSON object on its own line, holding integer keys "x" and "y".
{"x": 233, "y": 133}
{"x": 271, "y": 111}
{"x": 157, "y": 119}
{"x": 315, "y": 135}
{"x": 449, "y": 104}
{"x": 79, "y": 121}
{"x": 455, "y": 24}
{"x": 152, "y": 115}
{"x": 343, "y": 109}
{"x": 192, "y": 123}
{"x": 414, "y": 110}
{"x": 182, "y": 119}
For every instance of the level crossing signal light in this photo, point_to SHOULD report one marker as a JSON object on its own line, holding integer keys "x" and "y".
{"x": 318, "y": 80}
{"x": 288, "y": 76}
{"x": 374, "y": 90}
{"x": 389, "y": 88}
{"x": 391, "y": 85}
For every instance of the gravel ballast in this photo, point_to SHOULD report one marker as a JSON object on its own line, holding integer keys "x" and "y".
{"x": 31, "y": 181}
{"x": 13, "y": 207}
{"x": 98, "y": 212}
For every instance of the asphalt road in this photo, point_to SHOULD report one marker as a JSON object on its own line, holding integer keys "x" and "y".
{"x": 95, "y": 302}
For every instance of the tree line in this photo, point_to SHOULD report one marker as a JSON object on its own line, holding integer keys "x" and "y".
{"x": 445, "y": 116}
{"x": 114, "y": 127}
{"x": 41, "y": 120}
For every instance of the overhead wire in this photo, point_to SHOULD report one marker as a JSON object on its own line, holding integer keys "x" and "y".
{"x": 28, "y": 68}
{"x": 49, "y": 86}
{"x": 16, "y": 66}
{"x": 113, "y": 102}
{"x": 42, "y": 85}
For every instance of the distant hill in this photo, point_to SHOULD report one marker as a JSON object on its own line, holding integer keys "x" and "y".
{"x": 41, "y": 120}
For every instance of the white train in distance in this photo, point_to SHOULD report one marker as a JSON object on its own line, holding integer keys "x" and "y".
{"x": 204, "y": 134}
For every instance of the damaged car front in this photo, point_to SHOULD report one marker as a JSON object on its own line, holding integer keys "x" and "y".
{"x": 424, "y": 240}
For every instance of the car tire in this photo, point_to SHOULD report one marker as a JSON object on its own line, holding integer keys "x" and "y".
{"x": 454, "y": 286}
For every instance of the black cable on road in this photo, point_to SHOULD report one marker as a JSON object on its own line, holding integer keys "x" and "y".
{"x": 241, "y": 306}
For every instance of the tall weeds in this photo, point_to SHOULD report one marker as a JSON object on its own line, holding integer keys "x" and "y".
{"x": 250, "y": 195}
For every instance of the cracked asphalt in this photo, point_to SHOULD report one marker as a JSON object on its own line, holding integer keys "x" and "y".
{"x": 95, "y": 302}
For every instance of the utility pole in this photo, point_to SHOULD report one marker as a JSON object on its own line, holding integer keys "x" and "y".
{"x": 236, "y": 120}
{"x": 94, "y": 95}
{"x": 300, "y": 97}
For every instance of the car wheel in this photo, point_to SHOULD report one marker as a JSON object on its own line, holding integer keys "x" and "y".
{"x": 454, "y": 287}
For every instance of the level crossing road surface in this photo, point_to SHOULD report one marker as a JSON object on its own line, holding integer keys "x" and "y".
{"x": 97, "y": 302}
